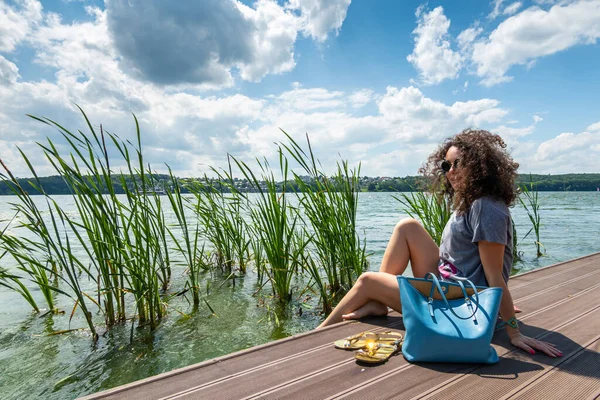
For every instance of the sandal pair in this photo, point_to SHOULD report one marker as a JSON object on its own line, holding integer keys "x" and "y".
{"x": 372, "y": 347}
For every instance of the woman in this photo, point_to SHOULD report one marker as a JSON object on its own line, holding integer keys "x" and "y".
{"x": 474, "y": 169}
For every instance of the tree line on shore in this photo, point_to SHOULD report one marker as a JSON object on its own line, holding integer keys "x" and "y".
{"x": 56, "y": 185}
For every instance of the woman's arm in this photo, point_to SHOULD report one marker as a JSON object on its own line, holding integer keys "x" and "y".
{"x": 492, "y": 256}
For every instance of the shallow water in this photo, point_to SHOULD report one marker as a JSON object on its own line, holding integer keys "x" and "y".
{"x": 32, "y": 363}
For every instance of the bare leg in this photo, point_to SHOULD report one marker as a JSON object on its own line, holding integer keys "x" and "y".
{"x": 410, "y": 242}
{"x": 377, "y": 286}
{"x": 372, "y": 293}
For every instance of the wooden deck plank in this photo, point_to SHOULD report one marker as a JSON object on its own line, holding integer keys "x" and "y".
{"x": 308, "y": 366}
{"x": 577, "y": 378}
{"x": 536, "y": 283}
{"x": 481, "y": 383}
{"x": 405, "y": 376}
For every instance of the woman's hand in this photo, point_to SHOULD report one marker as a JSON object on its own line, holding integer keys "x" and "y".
{"x": 529, "y": 344}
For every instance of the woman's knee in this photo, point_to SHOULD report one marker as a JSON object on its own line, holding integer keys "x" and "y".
{"x": 406, "y": 224}
{"x": 366, "y": 279}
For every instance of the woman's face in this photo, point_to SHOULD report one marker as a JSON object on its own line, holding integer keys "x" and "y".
{"x": 456, "y": 172}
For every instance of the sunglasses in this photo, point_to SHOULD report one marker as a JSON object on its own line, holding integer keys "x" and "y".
{"x": 447, "y": 165}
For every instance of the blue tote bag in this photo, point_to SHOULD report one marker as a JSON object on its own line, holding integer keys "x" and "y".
{"x": 448, "y": 322}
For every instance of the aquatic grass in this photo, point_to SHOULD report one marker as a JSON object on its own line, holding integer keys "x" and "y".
{"x": 320, "y": 281}
{"x": 531, "y": 205}
{"x": 94, "y": 192}
{"x": 330, "y": 204}
{"x": 210, "y": 210}
{"x": 107, "y": 223}
{"x": 221, "y": 207}
{"x": 258, "y": 257}
{"x": 431, "y": 209}
{"x": 7, "y": 279}
{"x": 143, "y": 237}
{"x": 53, "y": 248}
{"x": 275, "y": 225}
{"x": 236, "y": 207}
{"x": 191, "y": 250}
{"x": 517, "y": 255}
{"x": 125, "y": 237}
{"x": 13, "y": 282}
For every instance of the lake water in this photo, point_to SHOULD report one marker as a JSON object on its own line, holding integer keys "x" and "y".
{"x": 34, "y": 363}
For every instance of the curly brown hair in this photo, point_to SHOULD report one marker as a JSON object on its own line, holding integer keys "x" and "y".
{"x": 489, "y": 168}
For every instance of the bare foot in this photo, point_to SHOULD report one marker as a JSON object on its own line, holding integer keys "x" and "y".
{"x": 517, "y": 310}
{"x": 371, "y": 308}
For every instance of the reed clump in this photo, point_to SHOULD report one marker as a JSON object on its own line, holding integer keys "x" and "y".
{"x": 288, "y": 228}
{"x": 125, "y": 237}
{"x": 330, "y": 204}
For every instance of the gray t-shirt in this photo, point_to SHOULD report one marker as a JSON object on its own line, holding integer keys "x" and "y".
{"x": 488, "y": 219}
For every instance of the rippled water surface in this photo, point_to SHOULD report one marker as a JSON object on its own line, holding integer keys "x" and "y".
{"x": 34, "y": 363}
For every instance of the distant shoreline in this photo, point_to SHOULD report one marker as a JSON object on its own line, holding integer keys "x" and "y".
{"x": 590, "y": 182}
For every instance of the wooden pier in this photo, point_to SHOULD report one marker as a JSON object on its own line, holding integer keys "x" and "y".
{"x": 560, "y": 303}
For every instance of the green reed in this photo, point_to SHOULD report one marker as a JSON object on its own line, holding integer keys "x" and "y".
{"x": 431, "y": 209}
{"x": 26, "y": 255}
{"x": 120, "y": 226}
{"x": 122, "y": 239}
{"x": 191, "y": 250}
{"x": 234, "y": 221}
{"x": 13, "y": 282}
{"x": 330, "y": 204}
{"x": 220, "y": 212}
{"x": 7, "y": 279}
{"x": 531, "y": 205}
{"x": 125, "y": 236}
{"x": 143, "y": 235}
{"x": 258, "y": 257}
{"x": 275, "y": 225}
{"x": 517, "y": 255}
{"x": 52, "y": 251}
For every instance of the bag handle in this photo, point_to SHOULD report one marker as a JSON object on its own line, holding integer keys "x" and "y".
{"x": 435, "y": 283}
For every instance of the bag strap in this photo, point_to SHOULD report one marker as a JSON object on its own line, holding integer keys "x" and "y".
{"x": 436, "y": 284}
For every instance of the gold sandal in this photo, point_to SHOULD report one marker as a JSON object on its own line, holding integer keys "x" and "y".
{"x": 377, "y": 352}
{"x": 360, "y": 340}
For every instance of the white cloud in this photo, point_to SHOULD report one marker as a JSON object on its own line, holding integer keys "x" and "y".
{"x": 393, "y": 141}
{"x": 497, "y": 9}
{"x": 511, "y": 135}
{"x": 17, "y": 22}
{"x": 594, "y": 127}
{"x": 201, "y": 42}
{"x": 462, "y": 88}
{"x": 534, "y": 33}
{"x": 414, "y": 116}
{"x": 432, "y": 55}
{"x": 513, "y": 8}
{"x": 310, "y": 99}
{"x": 361, "y": 98}
{"x": 319, "y": 17}
{"x": 580, "y": 152}
{"x": 206, "y": 43}
{"x": 467, "y": 37}
{"x": 276, "y": 32}
{"x": 177, "y": 127}
{"x": 9, "y": 72}
{"x": 508, "y": 10}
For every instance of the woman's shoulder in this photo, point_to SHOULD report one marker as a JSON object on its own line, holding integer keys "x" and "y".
{"x": 489, "y": 203}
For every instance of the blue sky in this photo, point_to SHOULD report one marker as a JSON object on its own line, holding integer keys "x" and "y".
{"x": 377, "y": 82}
